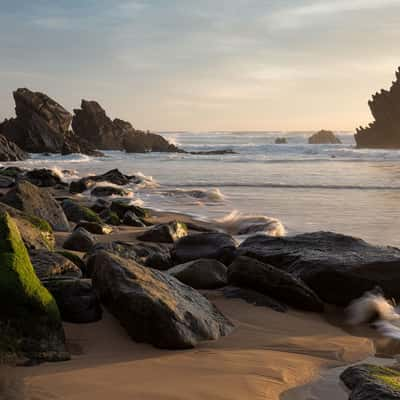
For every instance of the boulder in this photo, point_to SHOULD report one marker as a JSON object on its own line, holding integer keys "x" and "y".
{"x": 250, "y": 273}
{"x": 48, "y": 264}
{"x": 9, "y": 151}
{"x": 43, "y": 177}
{"x": 122, "y": 206}
{"x": 281, "y": 140}
{"x": 106, "y": 191}
{"x": 384, "y": 131}
{"x": 6, "y": 181}
{"x": 12, "y": 172}
{"x": 370, "y": 382}
{"x": 95, "y": 228}
{"x": 74, "y": 258}
{"x": 36, "y": 233}
{"x": 201, "y": 274}
{"x": 153, "y": 255}
{"x": 155, "y": 307}
{"x": 29, "y": 315}
{"x": 253, "y": 297}
{"x": 324, "y": 137}
{"x": 79, "y": 240}
{"x": 92, "y": 124}
{"x": 37, "y": 202}
{"x": 217, "y": 246}
{"x": 40, "y": 125}
{"x": 338, "y": 268}
{"x": 76, "y": 212}
{"x": 81, "y": 185}
{"x": 164, "y": 233}
{"x": 100, "y": 205}
{"x": 76, "y": 299}
{"x": 110, "y": 217}
{"x": 131, "y": 219}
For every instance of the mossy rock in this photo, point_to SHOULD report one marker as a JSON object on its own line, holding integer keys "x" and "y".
{"x": 368, "y": 381}
{"x": 121, "y": 207}
{"x": 76, "y": 212}
{"x": 26, "y": 306}
{"x": 73, "y": 258}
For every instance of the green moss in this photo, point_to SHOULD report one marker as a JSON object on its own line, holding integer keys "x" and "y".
{"x": 73, "y": 258}
{"x": 90, "y": 215}
{"x": 388, "y": 376}
{"x": 23, "y": 299}
{"x": 40, "y": 223}
{"x": 113, "y": 219}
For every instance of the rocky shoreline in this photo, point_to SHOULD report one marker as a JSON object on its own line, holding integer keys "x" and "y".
{"x": 89, "y": 253}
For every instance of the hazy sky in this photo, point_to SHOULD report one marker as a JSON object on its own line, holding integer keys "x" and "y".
{"x": 204, "y": 64}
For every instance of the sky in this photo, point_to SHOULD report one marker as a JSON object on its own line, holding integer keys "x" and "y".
{"x": 204, "y": 64}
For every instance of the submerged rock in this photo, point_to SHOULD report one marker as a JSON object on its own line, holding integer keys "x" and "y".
{"x": 338, "y": 268}
{"x": 201, "y": 274}
{"x": 370, "y": 382}
{"x": 43, "y": 177}
{"x": 9, "y": 151}
{"x": 384, "y": 132}
{"x": 79, "y": 240}
{"x": 165, "y": 233}
{"x": 76, "y": 299}
{"x": 250, "y": 273}
{"x": 324, "y": 137}
{"x": 29, "y": 315}
{"x": 217, "y": 246}
{"x": 155, "y": 307}
{"x": 37, "y": 202}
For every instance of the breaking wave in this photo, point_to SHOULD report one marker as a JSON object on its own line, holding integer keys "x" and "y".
{"x": 208, "y": 195}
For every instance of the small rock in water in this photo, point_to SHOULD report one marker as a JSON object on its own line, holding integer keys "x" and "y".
{"x": 106, "y": 191}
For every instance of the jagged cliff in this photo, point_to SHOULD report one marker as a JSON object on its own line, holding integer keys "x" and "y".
{"x": 384, "y": 132}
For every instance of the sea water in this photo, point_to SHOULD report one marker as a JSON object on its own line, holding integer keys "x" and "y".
{"x": 307, "y": 187}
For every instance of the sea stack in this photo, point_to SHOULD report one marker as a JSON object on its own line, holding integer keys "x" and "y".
{"x": 324, "y": 137}
{"x": 384, "y": 131}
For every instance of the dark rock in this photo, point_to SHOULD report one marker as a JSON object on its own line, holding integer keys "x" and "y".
{"x": 36, "y": 233}
{"x": 6, "y": 181}
{"x": 43, "y": 177}
{"x": 250, "y": 273}
{"x": 122, "y": 206}
{"x": 95, "y": 228}
{"x": 281, "y": 140}
{"x": 384, "y": 131}
{"x": 338, "y": 268}
{"x": 9, "y": 151}
{"x": 131, "y": 219}
{"x": 324, "y": 137}
{"x": 48, "y": 264}
{"x": 201, "y": 274}
{"x": 12, "y": 172}
{"x": 164, "y": 233}
{"x": 37, "y": 202}
{"x": 29, "y": 315}
{"x": 76, "y": 212}
{"x": 218, "y": 246}
{"x": 100, "y": 205}
{"x": 40, "y": 125}
{"x": 105, "y": 191}
{"x": 79, "y": 240}
{"x": 155, "y": 307}
{"x": 81, "y": 185}
{"x": 213, "y": 152}
{"x": 76, "y": 299}
{"x": 92, "y": 124}
{"x": 74, "y": 144}
{"x": 372, "y": 382}
{"x": 253, "y": 297}
{"x": 74, "y": 258}
{"x": 153, "y": 255}
{"x": 110, "y": 217}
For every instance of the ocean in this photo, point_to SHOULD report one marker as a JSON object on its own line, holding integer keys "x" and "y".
{"x": 306, "y": 187}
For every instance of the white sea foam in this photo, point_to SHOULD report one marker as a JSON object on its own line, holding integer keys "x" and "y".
{"x": 207, "y": 195}
{"x": 375, "y": 309}
{"x": 237, "y": 223}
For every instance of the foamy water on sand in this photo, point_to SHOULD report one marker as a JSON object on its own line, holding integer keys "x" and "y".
{"x": 305, "y": 187}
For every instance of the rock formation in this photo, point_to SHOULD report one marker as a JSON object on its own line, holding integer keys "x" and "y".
{"x": 9, "y": 151}
{"x": 324, "y": 137}
{"x": 384, "y": 132}
{"x": 92, "y": 124}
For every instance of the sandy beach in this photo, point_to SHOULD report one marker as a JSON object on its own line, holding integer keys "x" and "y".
{"x": 268, "y": 354}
